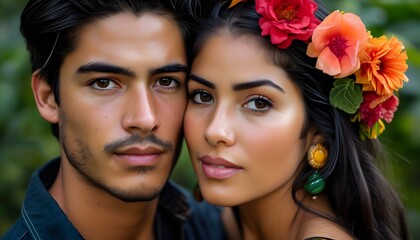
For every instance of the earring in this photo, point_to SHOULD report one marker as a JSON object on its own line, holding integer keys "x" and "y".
{"x": 317, "y": 157}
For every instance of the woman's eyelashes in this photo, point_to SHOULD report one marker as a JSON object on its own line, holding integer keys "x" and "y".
{"x": 200, "y": 96}
{"x": 258, "y": 104}
{"x": 255, "y": 103}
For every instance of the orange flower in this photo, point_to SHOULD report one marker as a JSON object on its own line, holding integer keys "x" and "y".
{"x": 382, "y": 66}
{"x": 234, "y": 2}
{"x": 337, "y": 42}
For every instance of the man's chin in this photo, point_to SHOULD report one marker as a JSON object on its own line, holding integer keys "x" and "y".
{"x": 143, "y": 195}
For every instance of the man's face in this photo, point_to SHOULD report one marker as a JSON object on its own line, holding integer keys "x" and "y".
{"x": 122, "y": 100}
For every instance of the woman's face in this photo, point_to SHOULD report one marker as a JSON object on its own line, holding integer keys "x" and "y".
{"x": 243, "y": 122}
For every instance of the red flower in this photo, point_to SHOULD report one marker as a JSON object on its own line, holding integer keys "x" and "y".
{"x": 287, "y": 20}
{"x": 375, "y": 107}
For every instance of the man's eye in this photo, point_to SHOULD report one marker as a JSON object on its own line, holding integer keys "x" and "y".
{"x": 103, "y": 84}
{"x": 167, "y": 82}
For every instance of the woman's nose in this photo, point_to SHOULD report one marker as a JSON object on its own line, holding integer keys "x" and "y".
{"x": 219, "y": 130}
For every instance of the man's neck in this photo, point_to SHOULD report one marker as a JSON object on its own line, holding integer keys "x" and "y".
{"x": 96, "y": 214}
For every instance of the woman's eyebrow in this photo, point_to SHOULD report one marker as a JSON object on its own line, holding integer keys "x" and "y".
{"x": 202, "y": 81}
{"x": 256, "y": 83}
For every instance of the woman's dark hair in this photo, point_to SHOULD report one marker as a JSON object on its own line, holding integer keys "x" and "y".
{"x": 363, "y": 201}
{"x": 50, "y": 28}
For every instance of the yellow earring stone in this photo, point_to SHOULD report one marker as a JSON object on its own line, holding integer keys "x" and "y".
{"x": 317, "y": 156}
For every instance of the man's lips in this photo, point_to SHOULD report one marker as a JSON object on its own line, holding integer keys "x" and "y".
{"x": 137, "y": 150}
{"x": 138, "y": 156}
{"x": 218, "y": 168}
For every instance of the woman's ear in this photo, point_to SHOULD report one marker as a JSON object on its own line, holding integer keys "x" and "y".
{"x": 314, "y": 137}
{"x": 44, "y": 98}
{"x": 318, "y": 137}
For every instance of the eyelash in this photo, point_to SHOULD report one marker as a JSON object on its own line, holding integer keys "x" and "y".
{"x": 255, "y": 98}
{"x": 174, "y": 81}
{"x": 260, "y": 98}
{"x": 113, "y": 84}
{"x": 198, "y": 92}
{"x": 95, "y": 81}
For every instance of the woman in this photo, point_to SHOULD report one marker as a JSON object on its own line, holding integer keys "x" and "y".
{"x": 283, "y": 118}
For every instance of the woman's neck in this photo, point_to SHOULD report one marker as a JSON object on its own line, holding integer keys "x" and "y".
{"x": 277, "y": 216}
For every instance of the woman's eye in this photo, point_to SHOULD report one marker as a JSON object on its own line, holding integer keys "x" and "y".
{"x": 103, "y": 84}
{"x": 167, "y": 82}
{"x": 201, "y": 97}
{"x": 258, "y": 104}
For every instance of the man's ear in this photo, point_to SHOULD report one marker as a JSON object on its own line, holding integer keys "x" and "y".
{"x": 44, "y": 98}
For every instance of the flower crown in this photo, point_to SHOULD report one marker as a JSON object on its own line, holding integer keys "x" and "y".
{"x": 367, "y": 70}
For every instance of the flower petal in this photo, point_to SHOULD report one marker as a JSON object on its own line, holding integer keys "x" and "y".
{"x": 328, "y": 62}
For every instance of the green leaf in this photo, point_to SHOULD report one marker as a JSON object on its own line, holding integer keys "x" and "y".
{"x": 345, "y": 95}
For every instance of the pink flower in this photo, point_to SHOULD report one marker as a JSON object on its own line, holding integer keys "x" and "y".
{"x": 375, "y": 107}
{"x": 287, "y": 20}
{"x": 337, "y": 42}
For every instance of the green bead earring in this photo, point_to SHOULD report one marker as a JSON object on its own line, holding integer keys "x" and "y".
{"x": 315, "y": 184}
{"x": 317, "y": 157}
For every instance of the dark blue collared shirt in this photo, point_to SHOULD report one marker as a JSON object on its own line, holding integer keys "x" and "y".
{"x": 179, "y": 216}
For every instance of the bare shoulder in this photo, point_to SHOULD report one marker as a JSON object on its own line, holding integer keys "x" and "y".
{"x": 320, "y": 228}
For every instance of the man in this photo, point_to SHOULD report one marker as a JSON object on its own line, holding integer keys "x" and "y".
{"x": 110, "y": 77}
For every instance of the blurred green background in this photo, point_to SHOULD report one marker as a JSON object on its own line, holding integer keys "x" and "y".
{"x": 26, "y": 142}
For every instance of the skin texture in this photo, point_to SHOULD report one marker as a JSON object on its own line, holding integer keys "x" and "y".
{"x": 265, "y": 143}
{"x": 119, "y": 128}
{"x": 256, "y": 128}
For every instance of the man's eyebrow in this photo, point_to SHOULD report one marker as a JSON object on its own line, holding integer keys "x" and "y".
{"x": 171, "y": 68}
{"x": 105, "y": 68}
{"x": 109, "y": 68}
{"x": 202, "y": 81}
{"x": 256, "y": 83}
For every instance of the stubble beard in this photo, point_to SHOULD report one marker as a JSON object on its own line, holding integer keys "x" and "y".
{"x": 79, "y": 158}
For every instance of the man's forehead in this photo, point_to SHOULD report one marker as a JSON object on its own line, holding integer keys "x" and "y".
{"x": 148, "y": 42}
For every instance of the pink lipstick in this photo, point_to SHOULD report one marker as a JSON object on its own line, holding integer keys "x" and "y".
{"x": 218, "y": 168}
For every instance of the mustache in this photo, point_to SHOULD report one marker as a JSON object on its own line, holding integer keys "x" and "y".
{"x": 136, "y": 139}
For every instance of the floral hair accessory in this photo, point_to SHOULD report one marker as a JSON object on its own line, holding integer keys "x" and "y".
{"x": 367, "y": 70}
{"x": 336, "y": 43}
{"x": 287, "y": 20}
{"x": 234, "y": 2}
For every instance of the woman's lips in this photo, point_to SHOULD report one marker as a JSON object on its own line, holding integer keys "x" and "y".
{"x": 218, "y": 168}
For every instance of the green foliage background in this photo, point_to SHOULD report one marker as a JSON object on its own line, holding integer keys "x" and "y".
{"x": 26, "y": 142}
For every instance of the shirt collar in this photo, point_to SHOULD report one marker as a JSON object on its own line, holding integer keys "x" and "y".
{"x": 44, "y": 218}
{"x": 173, "y": 199}
{"x": 41, "y": 214}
